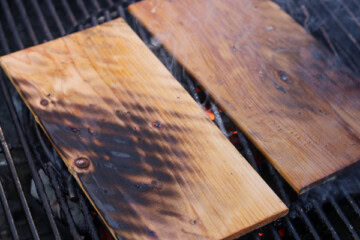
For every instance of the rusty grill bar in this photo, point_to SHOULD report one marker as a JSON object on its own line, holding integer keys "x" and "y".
{"x": 331, "y": 211}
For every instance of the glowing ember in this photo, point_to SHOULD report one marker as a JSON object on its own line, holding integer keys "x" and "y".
{"x": 235, "y": 132}
{"x": 260, "y": 234}
{"x": 211, "y": 115}
{"x": 281, "y": 232}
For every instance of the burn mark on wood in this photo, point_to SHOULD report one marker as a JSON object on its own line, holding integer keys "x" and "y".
{"x": 75, "y": 130}
{"x": 82, "y": 163}
{"x": 170, "y": 213}
{"x": 44, "y": 102}
{"x": 279, "y": 87}
{"x": 283, "y": 76}
{"x": 91, "y": 132}
{"x": 156, "y": 185}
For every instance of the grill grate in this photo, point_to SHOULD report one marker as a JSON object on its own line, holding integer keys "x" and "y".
{"x": 33, "y": 171}
{"x": 330, "y": 211}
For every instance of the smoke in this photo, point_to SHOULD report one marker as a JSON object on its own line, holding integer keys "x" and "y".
{"x": 335, "y": 23}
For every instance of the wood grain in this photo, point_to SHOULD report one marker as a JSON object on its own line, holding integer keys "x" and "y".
{"x": 159, "y": 167}
{"x": 285, "y": 91}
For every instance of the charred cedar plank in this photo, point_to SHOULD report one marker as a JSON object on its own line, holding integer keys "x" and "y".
{"x": 159, "y": 168}
{"x": 284, "y": 90}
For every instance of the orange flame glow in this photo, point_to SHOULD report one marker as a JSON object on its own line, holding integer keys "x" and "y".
{"x": 211, "y": 115}
{"x": 281, "y": 232}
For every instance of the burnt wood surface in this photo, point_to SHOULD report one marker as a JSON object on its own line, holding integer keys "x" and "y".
{"x": 147, "y": 156}
{"x": 283, "y": 89}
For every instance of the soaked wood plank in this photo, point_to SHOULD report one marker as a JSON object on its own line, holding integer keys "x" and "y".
{"x": 159, "y": 168}
{"x": 284, "y": 90}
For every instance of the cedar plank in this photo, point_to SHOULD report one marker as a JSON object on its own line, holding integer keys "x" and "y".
{"x": 159, "y": 168}
{"x": 290, "y": 96}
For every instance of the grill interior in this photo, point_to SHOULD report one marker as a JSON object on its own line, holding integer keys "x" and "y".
{"x": 330, "y": 211}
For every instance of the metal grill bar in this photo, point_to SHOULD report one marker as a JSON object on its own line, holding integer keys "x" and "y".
{"x": 107, "y": 16}
{"x": 344, "y": 218}
{"x": 275, "y": 233}
{"x": 325, "y": 220}
{"x": 26, "y": 21}
{"x": 357, "y": 182}
{"x": 11, "y": 22}
{"x": 279, "y": 184}
{"x": 94, "y": 21}
{"x": 248, "y": 153}
{"x": 218, "y": 119}
{"x": 88, "y": 218}
{"x": 69, "y": 12}
{"x": 308, "y": 223}
{"x": 8, "y": 214}
{"x": 283, "y": 195}
{"x": 255, "y": 236}
{"x": 110, "y": 2}
{"x": 71, "y": 188}
{"x": 64, "y": 206}
{"x": 56, "y": 17}
{"x": 191, "y": 87}
{"x": 350, "y": 12}
{"x": 42, "y": 19}
{"x": 4, "y": 43}
{"x": 350, "y": 200}
{"x": 18, "y": 186}
{"x": 83, "y": 8}
{"x": 96, "y": 4}
{"x": 291, "y": 228}
{"x": 121, "y": 12}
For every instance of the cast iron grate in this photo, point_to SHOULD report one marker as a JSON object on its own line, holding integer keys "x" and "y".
{"x": 330, "y": 211}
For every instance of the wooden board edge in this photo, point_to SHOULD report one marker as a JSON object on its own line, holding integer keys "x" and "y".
{"x": 253, "y": 227}
{"x": 70, "y": 168}
{"x": 330, "y": 177}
